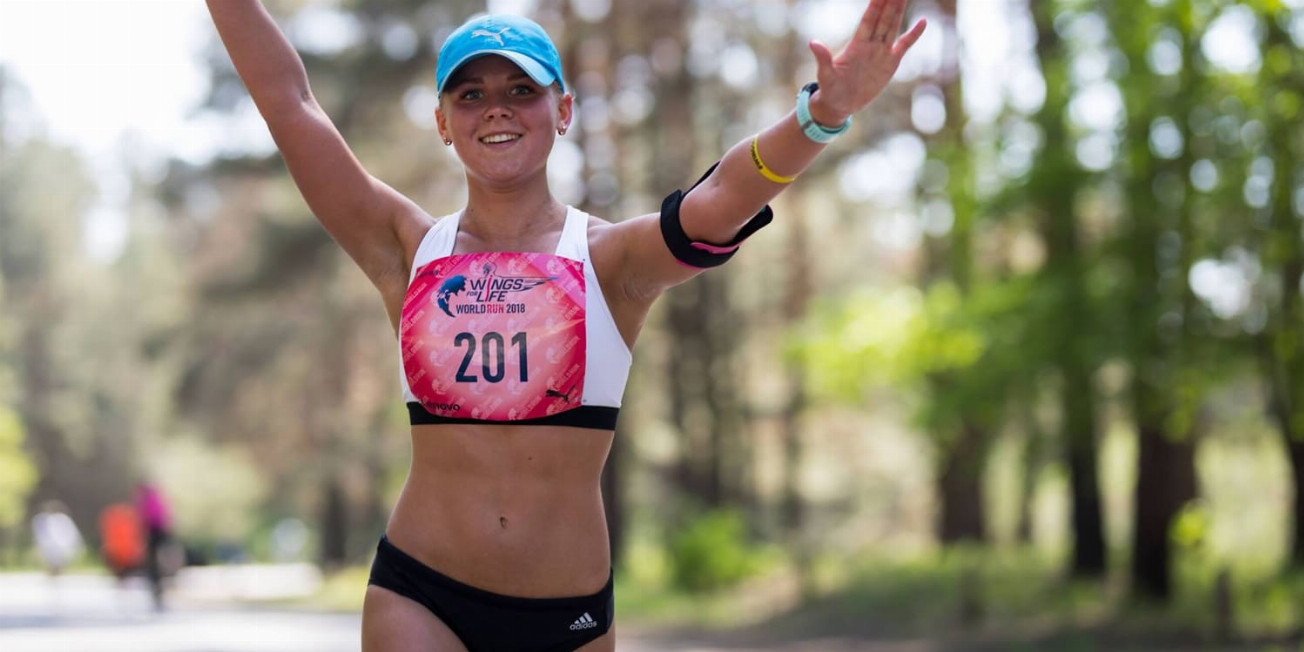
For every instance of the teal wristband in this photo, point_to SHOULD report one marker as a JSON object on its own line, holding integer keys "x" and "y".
{"x": 814, "y": 130}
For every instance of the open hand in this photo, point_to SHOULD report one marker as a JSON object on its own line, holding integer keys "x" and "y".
{"x": 852, "y": 79}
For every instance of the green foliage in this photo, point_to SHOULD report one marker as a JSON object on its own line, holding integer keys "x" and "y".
{"x": 1191, "y": 527}
{"x": 17, "y": 473}
{"x": 646, "y": 562}
{"x": 215, "y": 491}
{"x": 974, "y": 353}
{"x": 887, "y": 338}
{"x": 712, "y": 553}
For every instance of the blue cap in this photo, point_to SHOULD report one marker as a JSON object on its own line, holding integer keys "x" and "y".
{"x": 517, "y": 38}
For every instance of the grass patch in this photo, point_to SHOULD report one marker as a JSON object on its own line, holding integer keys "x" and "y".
{"x": 647, "y": 593}
{"x": 985, "y": 599}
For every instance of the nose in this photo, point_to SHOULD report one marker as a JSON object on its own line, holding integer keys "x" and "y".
{"x": 497, "y": 110}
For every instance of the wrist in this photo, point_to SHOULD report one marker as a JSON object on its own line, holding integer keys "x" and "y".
{"x": 812, "y": 124}
{"x": 824, "y": 115}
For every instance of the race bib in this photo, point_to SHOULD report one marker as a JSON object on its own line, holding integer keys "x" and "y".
{"x": 496, "y": 336}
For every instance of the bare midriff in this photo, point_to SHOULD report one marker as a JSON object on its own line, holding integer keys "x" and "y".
{"x": 515, "y": 510}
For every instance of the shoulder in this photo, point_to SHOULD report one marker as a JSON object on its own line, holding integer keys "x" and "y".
{"x": 597, "y": 226}
{"x": 603, "y": 236}
{"x": 614, "y": 238}
{"x": 617, "y": 251}
{"x": 605, "y": 230}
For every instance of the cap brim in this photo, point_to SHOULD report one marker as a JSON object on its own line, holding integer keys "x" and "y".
{"x": 533, "y": 68}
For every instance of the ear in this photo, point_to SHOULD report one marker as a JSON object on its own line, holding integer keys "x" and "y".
{"x": 441, "y": 123}
{"x": 565, "y": 111}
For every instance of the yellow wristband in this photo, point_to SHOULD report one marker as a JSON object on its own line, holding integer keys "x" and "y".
{"x": 760, "y": 165}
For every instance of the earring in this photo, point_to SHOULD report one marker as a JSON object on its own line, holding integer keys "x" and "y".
{"x": 448, "y": 142}
{"x": 561, "y": 131}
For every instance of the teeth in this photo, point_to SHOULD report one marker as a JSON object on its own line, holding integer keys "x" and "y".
{"x": 499, "y": 138}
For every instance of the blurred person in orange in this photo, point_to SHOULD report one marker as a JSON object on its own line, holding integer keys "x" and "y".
{"x": 122, "y": 539}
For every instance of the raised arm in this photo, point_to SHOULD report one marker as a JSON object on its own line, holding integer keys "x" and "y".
{"x": 756, "y": 170}
{"x": 369, "y": 219}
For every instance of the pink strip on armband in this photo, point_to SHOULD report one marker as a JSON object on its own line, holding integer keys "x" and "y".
{"x": 710, "y": 249}
{"x": 714, "y": 249}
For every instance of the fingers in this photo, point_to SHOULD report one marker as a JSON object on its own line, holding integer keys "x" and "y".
{"x": 868, "y": 26}
{"x": 908, "y": 41}
{"x": 823, "y": 55}
{"x": 890, "y": 25}
{"x": 882, "y": 20}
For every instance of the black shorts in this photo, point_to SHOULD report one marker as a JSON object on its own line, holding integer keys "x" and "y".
{"x": 489, "y": 621}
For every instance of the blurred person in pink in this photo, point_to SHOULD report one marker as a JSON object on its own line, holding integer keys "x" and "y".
{"x": 156, "y": 520}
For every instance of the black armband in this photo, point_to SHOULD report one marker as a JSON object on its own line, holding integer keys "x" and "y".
{"x": 703, "y": 254}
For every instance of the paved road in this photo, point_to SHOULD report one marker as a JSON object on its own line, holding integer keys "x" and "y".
{"x": 93, "y": 614}
{"x": 88, "y": 613}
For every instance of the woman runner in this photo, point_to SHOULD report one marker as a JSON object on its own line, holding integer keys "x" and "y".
{"x": 515, "y": 316}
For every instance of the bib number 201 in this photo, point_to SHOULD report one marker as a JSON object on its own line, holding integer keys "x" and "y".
{"x": 493, "y": 354}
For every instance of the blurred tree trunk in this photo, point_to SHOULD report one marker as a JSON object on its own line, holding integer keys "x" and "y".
{"x": 1296, "y": 451}
{"x": 37, "y": 388}
{"x": 334, "y": 524}
{"x": 1161, "y": 308}
{"x": 326, "y": 410}
{"x": 1033, "y": 460}
{"x": 1165, "y": 482}
{"x": 374, "y": 511}
{"x": 796, "y": 306}
{"x": 1054, "y": 185}
{"x": 799, "y": 290}
{"x": 686, "y": 306}
{"x": 800, "y": 287}
{"x": 960, "y": 487}
{"x": 1166, "y": 478}
{"x": 963, "y": 455}
{"x": 699, "y": 319}
{"x": 1281, "y": 344}
{"x": 590, "y": 52}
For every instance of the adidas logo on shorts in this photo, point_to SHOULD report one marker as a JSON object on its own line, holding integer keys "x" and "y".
{"x": 584, "y": 622}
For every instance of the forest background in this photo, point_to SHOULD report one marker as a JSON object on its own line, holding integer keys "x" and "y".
{"x": 1026, "y": 347}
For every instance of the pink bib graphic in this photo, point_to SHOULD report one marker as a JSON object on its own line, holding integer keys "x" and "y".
{"x": 495, "y": 336}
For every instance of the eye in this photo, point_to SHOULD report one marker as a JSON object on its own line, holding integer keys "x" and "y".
{"x": 523, "y": 89}
{"x": 471, "y": 94}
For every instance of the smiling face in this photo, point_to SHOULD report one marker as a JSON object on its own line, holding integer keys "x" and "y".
{"x": 502, "y": 123}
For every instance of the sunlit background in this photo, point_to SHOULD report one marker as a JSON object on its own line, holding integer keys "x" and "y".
{"x": 1037, "y": 317}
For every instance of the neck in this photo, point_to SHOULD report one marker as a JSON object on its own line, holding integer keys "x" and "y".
{"x": 510, "y": 213}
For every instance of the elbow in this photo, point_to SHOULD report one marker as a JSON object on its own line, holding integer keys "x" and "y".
{"x": 712, "y": 215}
{"x": 729, "y": 206}
{"x": 286, "y": 105}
